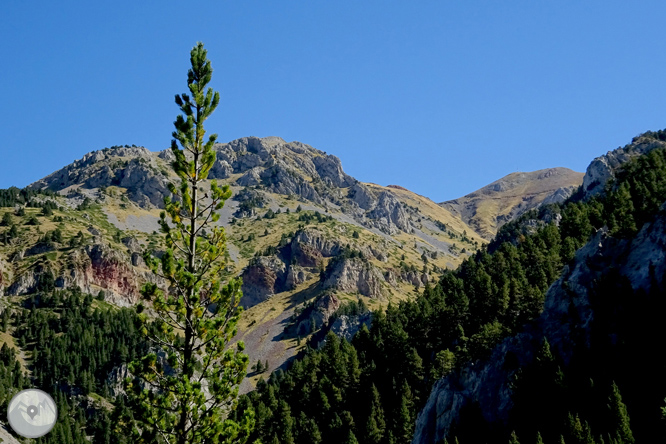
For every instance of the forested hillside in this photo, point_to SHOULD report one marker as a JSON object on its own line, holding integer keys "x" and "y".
{"x": 74, "y": 343}
{"x": 370, "y": 390}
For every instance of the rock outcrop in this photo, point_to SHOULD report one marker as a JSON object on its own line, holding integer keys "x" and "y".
{"x": 298, "y": 261}
{"x": 347, "y": 326}
{"x": 296, "y": 275}
{"x": 250, "y": 178}
{"x": 92, "y": 268}
{"x": 319, "y": 314}
{"x": 415, "y": 278}
{"x": 559, "y": 195}
{"x": 279, "y": 178}
{"x": 145, "y": 185}
{"x": 288, "y": 168}
{"x": 265, "y": 276}
{"x": 134, "y": 168}
{"x": 6, "y": 274}
{"x": 388, "y": 214}
{"x": 363, "y": 196}
{"x": 604, "y": 167}
{"x": 355, "y": 275}
{"x": 329, "y": 169}
{"x": 310, "y": 246}
{"x": 221, "y": 170}
{"x": 26, "y": 282}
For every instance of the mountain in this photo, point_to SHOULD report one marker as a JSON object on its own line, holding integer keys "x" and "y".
{"x": 294, "y": 213}
{"x": 548, "y": 335}
{"x": 444, "y": 336}
{"x": 597, "y": 321}
{"x": 488, "y": 208}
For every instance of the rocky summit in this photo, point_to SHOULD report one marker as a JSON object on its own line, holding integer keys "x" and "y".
{"x": 299, "y": 229}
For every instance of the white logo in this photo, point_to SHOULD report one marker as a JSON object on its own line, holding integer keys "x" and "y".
{"x": 32, "y": 413}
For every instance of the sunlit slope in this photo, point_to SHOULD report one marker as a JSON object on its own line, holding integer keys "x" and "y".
{"x": 488, "y": 208}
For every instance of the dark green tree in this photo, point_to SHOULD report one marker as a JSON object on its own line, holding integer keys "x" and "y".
{"x": 620, "y": 417}
{"x": 187, "y": 396}
{"x": 7, "y": 219}
{"x": 351, "y": 438}
{"x": 376, "y": 425}
{"x": 404, "y": 427}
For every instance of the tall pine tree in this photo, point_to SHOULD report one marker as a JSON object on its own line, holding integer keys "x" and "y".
{"x": 187, "y": 389}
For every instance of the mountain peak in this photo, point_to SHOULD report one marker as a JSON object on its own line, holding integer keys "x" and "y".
{"x": 489, "y": 207}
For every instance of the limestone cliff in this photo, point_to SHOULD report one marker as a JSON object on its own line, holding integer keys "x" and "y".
{"x": 355, "y": 276}
{"x": 603, "y": 168}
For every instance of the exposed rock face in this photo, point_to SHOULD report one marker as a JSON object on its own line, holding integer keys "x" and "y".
{"x": 355, "y": 275}
{"x": 221, "y": 170}
{"x": 347, "y": 326}
{"x": 279, "y": 178}
{"x": 363, "y": 196}
{"x": 136, "y": 169}
{"x": 309, "y": 246}
{"x": 6, "y": 274}
{"x": 378, "y": 254}
{"x": 389, "y": 215}
{"x": 487, "y": 382}
{"x": 247, "y": 161}
{"x": 268, "y": 275}
{"x": 604, "y": 167}
{"x": 295, "y": 276}
{"x": 144, "y": 185}
{"x": 6, "y": 437}
{"x": 98, "y": 266}
{"x": 26, "y": 282}
{"x": 329, "y": 169}
{"x": 250, "y": 179}
{"x": 116, "y": 380}
{"x": 320, "y": 314}
{"x": 292, "y": 169}
{"x": 415, "y": 278}
{"x": 384, "y": 212}
{"x": 559, "y": 195}
{"x": 264, "y": 277}
{"x": 91, "y": 268}
{"x": 131, "y": 243}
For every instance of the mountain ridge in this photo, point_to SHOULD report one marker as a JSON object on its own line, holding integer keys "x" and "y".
{"x": 489, "y": 207}
{"x": 289, "y": 200}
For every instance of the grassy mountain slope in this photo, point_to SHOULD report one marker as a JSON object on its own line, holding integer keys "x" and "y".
{"x": 488, "y": 208}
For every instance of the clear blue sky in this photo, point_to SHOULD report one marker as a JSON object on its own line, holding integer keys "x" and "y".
{"x": 441, "y": 97}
